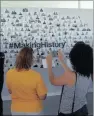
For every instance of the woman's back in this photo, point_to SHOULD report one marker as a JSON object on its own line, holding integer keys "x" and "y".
{"x": 25, "y": 86}
{"x": 81, "y": 58}
{"x": 81, "y": 90}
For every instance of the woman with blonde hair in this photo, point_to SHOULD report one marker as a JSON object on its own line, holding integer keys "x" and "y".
{"x": 26, "y": 86}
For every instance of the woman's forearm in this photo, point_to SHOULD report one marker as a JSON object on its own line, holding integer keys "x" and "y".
{"x": 66, "y": 68}
{"x": 51, "y": 75}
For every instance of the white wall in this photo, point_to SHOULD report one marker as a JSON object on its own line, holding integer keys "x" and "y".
{"x": 48, "y": 4}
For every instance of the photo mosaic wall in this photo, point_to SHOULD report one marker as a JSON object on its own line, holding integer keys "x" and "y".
{"x": 43, "y": 30}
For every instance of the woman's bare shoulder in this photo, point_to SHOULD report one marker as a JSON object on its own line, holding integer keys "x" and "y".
{"x": 71, "y": 78}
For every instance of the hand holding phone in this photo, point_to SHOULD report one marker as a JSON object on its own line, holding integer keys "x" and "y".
{"x": 60, "y": 56}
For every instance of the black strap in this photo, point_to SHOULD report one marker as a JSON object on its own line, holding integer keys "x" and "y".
{"x": 60, "y": 99}
{"x": 73, "y": 97}
{"x": 74, "y": 94}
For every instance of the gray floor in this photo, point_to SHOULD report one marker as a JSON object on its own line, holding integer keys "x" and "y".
{"x": 51, "y": 105}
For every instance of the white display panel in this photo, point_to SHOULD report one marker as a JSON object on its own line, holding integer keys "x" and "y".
{"x": 56, "y": 28}
{"x": 44, "y": 30}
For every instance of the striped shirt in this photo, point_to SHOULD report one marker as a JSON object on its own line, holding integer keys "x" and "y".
{"x": 82, "y": 86}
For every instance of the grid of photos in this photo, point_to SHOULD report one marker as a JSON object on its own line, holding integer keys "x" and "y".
{"x": 43, "y": 31}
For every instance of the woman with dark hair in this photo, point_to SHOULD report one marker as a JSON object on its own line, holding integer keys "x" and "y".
{"x": 26, "y": 86}
{"x": 75, "y": 81}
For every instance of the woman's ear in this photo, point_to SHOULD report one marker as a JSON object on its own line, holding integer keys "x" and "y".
{"x": 9, "y": 91}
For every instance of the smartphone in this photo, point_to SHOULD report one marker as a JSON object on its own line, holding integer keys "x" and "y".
{"x": 54, "y": 53}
